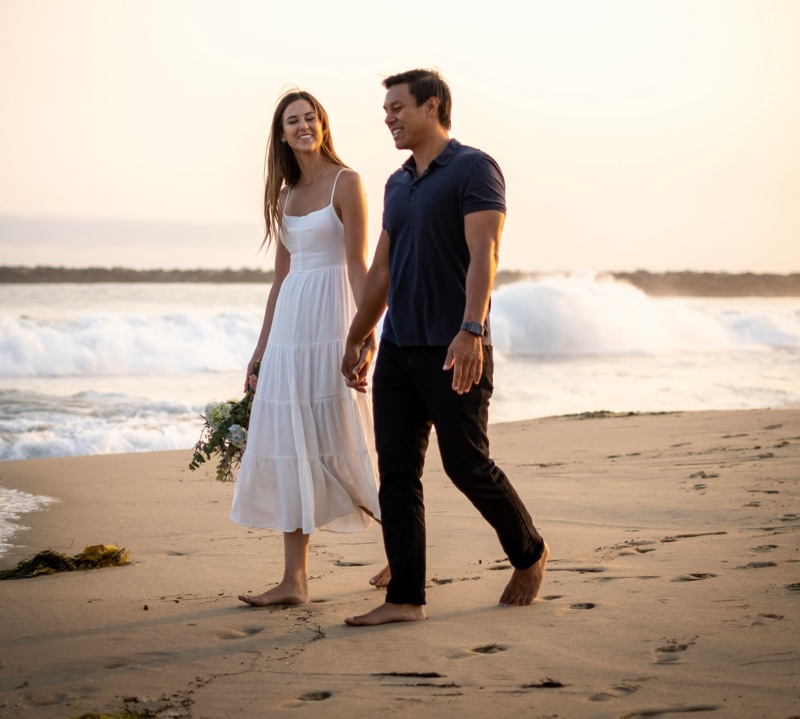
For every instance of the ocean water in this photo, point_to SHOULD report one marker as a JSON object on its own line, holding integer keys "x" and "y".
{"x": 106, "y": 368}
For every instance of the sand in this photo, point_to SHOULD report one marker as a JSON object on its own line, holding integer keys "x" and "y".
{"x": 673, "y": 588}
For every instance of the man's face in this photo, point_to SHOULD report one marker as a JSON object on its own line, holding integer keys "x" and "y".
{"x": 408, "y": 122}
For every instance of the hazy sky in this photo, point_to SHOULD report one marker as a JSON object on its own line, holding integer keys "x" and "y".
{"x": 632, "y": 133}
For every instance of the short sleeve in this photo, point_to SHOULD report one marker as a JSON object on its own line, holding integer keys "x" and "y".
{"x": 485, "y": 187}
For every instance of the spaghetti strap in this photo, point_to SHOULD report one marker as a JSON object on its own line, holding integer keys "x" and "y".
{"x": 334, "y": 183}
{"x": 286, "y": 201}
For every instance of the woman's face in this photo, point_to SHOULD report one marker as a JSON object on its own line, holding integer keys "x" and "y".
{"x": 302, "y": 130}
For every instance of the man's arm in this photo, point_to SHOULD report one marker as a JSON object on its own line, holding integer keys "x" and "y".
{"x": 360, "y": 343}
{"x": 465, "y": 354}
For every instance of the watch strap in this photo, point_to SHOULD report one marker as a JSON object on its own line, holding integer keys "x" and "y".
{"x": 474, "y": 328}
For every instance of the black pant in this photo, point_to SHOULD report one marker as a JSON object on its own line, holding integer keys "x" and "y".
{"x": 410, "y": 393}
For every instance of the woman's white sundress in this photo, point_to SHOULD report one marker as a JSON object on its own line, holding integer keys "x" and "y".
{"x": 307, "y": 463}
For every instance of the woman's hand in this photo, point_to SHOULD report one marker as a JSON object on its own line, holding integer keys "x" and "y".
{"x": 251, "y": 378}
{"x": 356, "y": 362}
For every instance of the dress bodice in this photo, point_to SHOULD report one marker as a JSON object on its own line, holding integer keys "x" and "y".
{"x": 316, "y": 240}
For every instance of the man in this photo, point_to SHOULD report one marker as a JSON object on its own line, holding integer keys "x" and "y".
{"x": 434, "y": 266}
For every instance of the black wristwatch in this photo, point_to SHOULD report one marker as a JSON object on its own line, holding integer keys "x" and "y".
{"x": 474, "y": 328}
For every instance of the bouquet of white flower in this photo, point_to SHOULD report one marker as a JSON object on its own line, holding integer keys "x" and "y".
{"x": 224, "y": 434}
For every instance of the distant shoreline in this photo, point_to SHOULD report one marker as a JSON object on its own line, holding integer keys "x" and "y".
{"x": 660, "y": 284}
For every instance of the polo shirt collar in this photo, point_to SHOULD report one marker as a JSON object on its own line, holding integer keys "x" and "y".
{"x": 442, "y": 158}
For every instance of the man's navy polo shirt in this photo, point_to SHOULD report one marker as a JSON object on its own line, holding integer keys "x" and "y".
{"x": 428, "y": 253}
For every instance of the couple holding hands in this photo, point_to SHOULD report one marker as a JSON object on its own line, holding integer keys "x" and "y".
{"x": 307, "y": 464}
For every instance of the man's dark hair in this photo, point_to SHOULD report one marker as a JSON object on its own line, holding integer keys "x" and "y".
{"x": 423, "y": 84}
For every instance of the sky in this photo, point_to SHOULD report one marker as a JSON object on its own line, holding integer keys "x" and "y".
{"x": 633, "y": 134}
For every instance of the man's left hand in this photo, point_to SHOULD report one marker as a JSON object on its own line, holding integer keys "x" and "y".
{"x": 465, "y": 358}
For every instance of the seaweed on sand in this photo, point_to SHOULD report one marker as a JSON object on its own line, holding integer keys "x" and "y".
{"x": 50, "y": 562}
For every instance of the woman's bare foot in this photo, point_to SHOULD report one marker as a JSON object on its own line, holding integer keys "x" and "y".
{"x": 381, "y": 579}
{"x": 282, "y": 594}
{"x": 524, "y": 585}
{"x": 387, "y": 613}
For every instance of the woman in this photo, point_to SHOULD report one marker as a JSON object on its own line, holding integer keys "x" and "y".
{"x": 307, "y": 464}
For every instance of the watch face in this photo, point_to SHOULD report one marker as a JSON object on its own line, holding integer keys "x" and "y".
{"x": 473, "y": 328}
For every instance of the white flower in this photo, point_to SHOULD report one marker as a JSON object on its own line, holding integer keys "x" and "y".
{"x": 217, "y": 413}
{"x": 237, "y": 436}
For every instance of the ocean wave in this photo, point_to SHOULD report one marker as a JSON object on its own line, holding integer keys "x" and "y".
{"x": 557, "y": 316}
{"x": 585, "y": 315}
{"x": 35, "y": 425}
{"x": 110, "y": 344}
{"x": 14, "y": 503}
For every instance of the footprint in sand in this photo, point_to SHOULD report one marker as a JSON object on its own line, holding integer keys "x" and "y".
{"x": 695, "y": 577}
{"x": 676, "y": 537}
{"x": 449, "y": 580}
{"x": 240, "y": 633}
{"x": 117, "y": 662}
{"x": 342, "y": 563}
{"x": 546, "y": 683}
{"x": 315, "y": 696}
{"x": 616, "y": 692}
{"x": 489, "y": 649}
{"x": 635, "y": 576}
{"x": 764, "y": 548}
{"x": 583, "y": 605}
{"x": 762, "y": 619}
{"x": 631, "y": 547}
{"x": 668, "y": 653}
{"x": 758, "y": 565}
{"x": 663, "y": 711}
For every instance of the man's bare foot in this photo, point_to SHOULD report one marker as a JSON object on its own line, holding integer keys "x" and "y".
{"x": 524, "y": 585}
{"x": 282, "y": 594}
{"x": 387, "y": 613}
{"x": 381, "y": 579}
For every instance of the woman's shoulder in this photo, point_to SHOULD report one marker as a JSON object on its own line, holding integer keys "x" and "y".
{"x": 348, "y": 181}
{"x": 347, "y": 174}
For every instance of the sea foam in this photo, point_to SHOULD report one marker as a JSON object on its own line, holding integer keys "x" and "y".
{"x": 553, "y": 316}
{"x": 585, "y": 315}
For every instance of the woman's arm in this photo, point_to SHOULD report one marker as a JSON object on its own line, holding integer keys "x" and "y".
{"x": 350, "y": 203}
{"x": 282, "y": 263}
{"x": 360, "y": 344}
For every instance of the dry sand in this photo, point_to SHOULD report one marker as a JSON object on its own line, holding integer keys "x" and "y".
{"x": 673, "y": 588}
